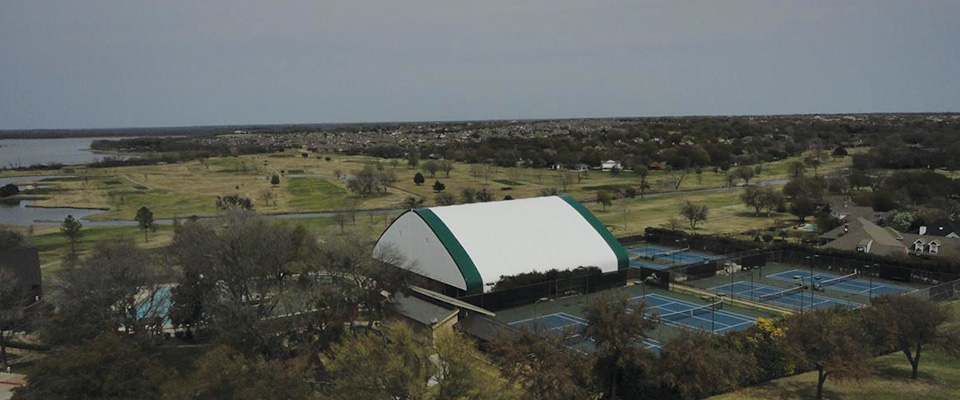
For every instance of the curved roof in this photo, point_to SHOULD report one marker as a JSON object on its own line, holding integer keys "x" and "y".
{"x": 467, "y": 245}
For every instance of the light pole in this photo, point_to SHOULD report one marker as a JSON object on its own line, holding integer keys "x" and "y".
{"x": 869, "y": 274}
{"x": 713, "y": 312}
{"x": 489, "y": 285}
{"x": 800, "y": 278}
{"x": 731, "y": 279}
{"x": 536, "y": 326}
{"x": 751, "y": 284}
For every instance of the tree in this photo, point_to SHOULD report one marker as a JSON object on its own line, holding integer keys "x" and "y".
{"x": 761, "y": 198}
{"x": 617, "y": 327}
{"x": 446, "y": 166}
{"x": 543, "y": 367}
{"x": 677, "y": 177}
{"x": 432, "y": 167}
{"x": 796, "y": 169}
{"x": 812, "y": 162}
{"x": 418, "y": 179}
{"x": 145, "y": 221}
{"x": 242, "y": 265}
{"x": 15, "y": 309}
{"x": 224, "y": 373}
{"x": 468, "y": 195}
{"x": 699, "y": 172}
{"x": 119, "y": 286}
{"x": 694, "y": 365}
{"x": 370, "y": 180}
{"x": 911, "y": 324}
{"x": 413, "y": 160}
{"x": 642, "y": 171}
{"x": 550, "y": 191}
{"x": 803, "y": 207}
{"x": 105, "y": 368}
{"x": 9, "y": 190}
{"x": 731, "y": 178}
{"x": 266, "y": 196}
{"x": 840, "y": 152}
{"x": 395, "y": 364}
{"x": 859, "y": 179}
{"x": 604, "y": 198}
{"x": 341, "y": 219}
{"x": 11, "y": 239}
{"x": 445, "y": 199}
{"x": 484, "y": 195}
{"x": 694, "y": 213}
{"x": 275, "y": 180}
{"x": 565, "y": 178}
{"x": 411, "y": 202}
{"x": 829, "y": 341}
{"x": 745, "y": 173}
{"x": 71, "y": 228}
{"x": 438, "y": 186}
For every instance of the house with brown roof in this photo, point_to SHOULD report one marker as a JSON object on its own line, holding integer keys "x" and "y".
{"x": 866, "y": 237}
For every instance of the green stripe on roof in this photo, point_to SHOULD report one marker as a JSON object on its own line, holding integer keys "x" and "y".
{"x": 623, "y": 261}
{"x": 467, "y": 268}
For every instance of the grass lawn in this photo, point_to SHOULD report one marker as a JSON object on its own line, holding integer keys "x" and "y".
{"x": 727, "y": 215}
{"x": 54, "y": 247}
{"x": 181, "y": 190}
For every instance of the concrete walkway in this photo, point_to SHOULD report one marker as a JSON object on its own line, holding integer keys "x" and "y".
{"x": 8, "y": 382}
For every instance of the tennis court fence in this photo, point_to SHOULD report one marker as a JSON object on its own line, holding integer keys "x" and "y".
{"x": 942, "y": 292}
{"x": 553, "y": 289}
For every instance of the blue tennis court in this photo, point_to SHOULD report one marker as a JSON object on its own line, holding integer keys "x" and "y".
{"x": 685, "y": 314}
{"x": 668, "y": 255}
{"x": 562, "y": 322}
{"x": 778, "y": 296}
{"x": 854, "y": 285}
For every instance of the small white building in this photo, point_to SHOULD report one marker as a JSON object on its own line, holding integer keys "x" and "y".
{"x": 609, "y": 165}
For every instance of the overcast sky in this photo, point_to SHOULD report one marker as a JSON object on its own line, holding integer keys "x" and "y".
{"x": 83, "y": 64}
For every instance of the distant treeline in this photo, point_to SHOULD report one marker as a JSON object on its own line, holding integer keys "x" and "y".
{"x": 186, "y": 147}
{"x": 900, "y": 141}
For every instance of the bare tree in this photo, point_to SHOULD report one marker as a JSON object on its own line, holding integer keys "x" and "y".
{"x": 676, "y": 177}
{"x": 266, "y": 196}
{"x": 694, "y": 213}
{"x": 565, "y": 178}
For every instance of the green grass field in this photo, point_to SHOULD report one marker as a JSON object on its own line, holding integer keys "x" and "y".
{"x": 308, "y": 194}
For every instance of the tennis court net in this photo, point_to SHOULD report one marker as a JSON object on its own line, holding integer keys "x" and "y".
{"x": 779, "y": 294}
{"x": 834, "y": 281}
{"x": 671, "y": 252}
{"x": 693, "y": 312}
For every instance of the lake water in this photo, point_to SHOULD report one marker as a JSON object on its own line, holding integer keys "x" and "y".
{"x": 27, "y": 152}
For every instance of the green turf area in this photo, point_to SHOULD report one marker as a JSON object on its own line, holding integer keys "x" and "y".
{"x": 315, "y": 194}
